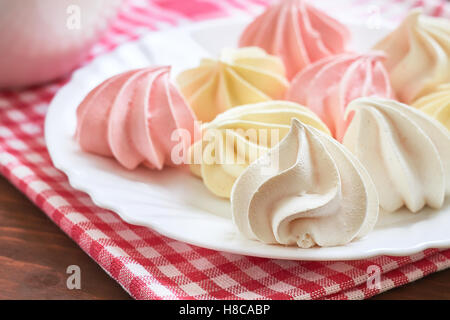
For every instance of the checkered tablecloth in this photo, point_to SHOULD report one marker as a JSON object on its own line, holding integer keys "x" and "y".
{"x": 151, "y": 266}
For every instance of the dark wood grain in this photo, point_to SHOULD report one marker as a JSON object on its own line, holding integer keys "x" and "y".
{"x": 435, "y": 286}
{"x": 35, "y": 253}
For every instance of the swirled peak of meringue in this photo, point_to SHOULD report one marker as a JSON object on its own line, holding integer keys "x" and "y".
{"x": 317, "y": 193}
{"x": 418, "y": 55}
{"x": 327, "y": 86}
{"x": 238, "y": 77}
{"x": 132, "y": 117}
{"x": 437, "y": 104}
{"x": 297, "y": 32}
{"x": 406, "y": 152}
{"x": 239, "y": 136}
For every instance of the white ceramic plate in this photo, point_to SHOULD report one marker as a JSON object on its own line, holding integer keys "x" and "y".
{"x": 176, "y": 204}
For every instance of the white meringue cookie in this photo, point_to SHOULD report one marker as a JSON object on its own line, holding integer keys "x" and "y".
{"x": 317, "y": 193}
{"x": 406, "y": 152}
{"x": 418, "y": 55}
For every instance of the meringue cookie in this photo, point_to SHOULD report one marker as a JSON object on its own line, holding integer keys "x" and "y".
{"x": 316, "y": 193}
{"x": 240, "y": 76}
{"x": 239, "y": 136}
{"x": 296, "y": 32}
{"x": 418, "y": 55}
{"x": 437, "y": 104}
{"x": 132, "y": 117}
{"x": 406, "y": 152}
{"x": 327, "y": 86}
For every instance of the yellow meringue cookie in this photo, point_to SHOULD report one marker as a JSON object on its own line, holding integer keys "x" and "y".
{"x": 239, "y": 76}
{"x": 418, "y": 55}
{"x": 239, "y": 136}
{"x": 437, "y": 104}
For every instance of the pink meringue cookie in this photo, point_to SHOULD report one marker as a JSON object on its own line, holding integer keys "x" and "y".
{"x": 132, "y": 117}
{"x": 329, "y": 85}
{"x": 296, "y": 32}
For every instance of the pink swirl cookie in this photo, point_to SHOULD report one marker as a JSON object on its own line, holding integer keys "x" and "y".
{"x": 133, "y": 117}
{"x": 329, "y": 85}
{"x": 296, "y": 32}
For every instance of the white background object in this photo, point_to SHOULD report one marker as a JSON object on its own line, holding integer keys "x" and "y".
{"x": 41, "y": 40}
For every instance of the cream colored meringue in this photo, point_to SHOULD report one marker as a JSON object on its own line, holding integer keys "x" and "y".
{"x": 136, "y": 117}
{"x": 251, "y": 130}
{"x": 406, "y": 152}
{"x": 240, "y": 76}
{"x": 418, "y": 55}
{"x": 327, "y": 86}
{"x": 308, "y": 190}
{"x": 296, "y": 32}
{"x": 437, "y": 104}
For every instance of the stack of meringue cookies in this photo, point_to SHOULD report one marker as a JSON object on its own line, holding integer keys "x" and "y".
{"x": 356, "y": 131}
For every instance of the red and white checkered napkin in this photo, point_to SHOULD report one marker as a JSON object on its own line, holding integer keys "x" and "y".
{"x": 148, "y": 265}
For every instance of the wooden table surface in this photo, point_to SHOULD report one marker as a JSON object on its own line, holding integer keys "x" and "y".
{"x": 35, "y": 253}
